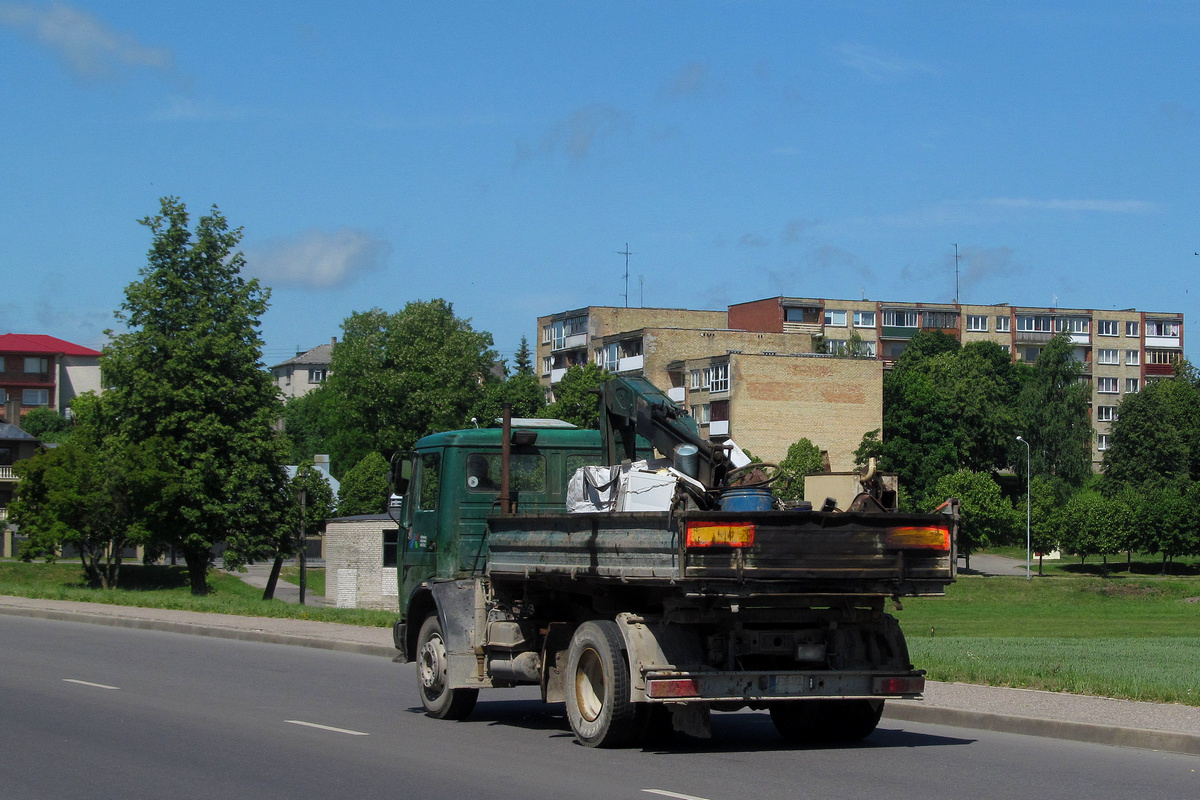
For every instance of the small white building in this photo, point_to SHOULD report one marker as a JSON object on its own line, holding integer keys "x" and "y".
{"x": 361, "y": 557}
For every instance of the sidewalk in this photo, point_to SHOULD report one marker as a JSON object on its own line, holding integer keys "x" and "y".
{"x": 1154, "y": 726}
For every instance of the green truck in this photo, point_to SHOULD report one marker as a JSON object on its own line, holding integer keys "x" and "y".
{"x": 644, "y": 621}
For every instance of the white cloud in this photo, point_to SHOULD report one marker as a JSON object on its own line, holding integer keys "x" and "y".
{"x": 877, "y": 65}
{"x": 317, "y": 259}
{"x": 578, "y": 134}
{"x": 1106, "y": 206}
{"x": 90, "y": 48}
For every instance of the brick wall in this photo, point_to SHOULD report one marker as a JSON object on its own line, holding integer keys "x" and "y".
{"x": 759, "y": 315}
{"x": 776, "y": 400}
{"x": 354, "y": 573}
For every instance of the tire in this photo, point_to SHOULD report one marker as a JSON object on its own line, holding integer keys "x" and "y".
{"x": 440, "y": 701}
{"x": 598, "y": 705}
{"x": 810, "y": 721}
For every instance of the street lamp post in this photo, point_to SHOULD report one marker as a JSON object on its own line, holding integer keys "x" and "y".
{"x": 1028, "y": 538}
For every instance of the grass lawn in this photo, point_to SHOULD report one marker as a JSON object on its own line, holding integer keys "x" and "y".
{"x": 1122, "y": 636}
{"x": 167, "y": 587}
{"x": 314, "y": 579}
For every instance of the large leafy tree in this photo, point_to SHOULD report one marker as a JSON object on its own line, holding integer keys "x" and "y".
{"x": 802, "y": 458}
{"x": 1054, "y": 414}
{"x": 575, "y": 397}
{"x": 945, "y": 408}
{"x": 1156, "y": 436}
{"x": 364, "y": 488}
{"x": 396, "y": 377}
{"x": 186, "y": 371}
{"x": 520, "y": 389}
{"x": 988, "y": 518}
{"x": 94, "y": 493}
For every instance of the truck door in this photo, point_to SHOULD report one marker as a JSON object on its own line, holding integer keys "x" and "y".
{"x": 419, "y": 562}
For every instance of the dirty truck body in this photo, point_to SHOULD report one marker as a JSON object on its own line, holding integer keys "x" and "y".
{"x": 643, "y": 622}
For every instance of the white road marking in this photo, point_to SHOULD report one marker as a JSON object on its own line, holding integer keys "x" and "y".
{"x": 89, "y": 683}
{"x": 676, "y": 795}
{"x": 326, "y": 727}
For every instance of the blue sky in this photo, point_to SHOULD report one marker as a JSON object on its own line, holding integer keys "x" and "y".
{"x": 501, "y": 154}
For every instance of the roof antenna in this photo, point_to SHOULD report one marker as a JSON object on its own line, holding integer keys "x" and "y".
{"x": 627, "y": 254}
{"x": 955, "y": 273}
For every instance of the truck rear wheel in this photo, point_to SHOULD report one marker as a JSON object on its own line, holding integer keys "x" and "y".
{"x": 811, "y": 721}
{"x": 598, "y": 705}
{"x": 440, "y": 701}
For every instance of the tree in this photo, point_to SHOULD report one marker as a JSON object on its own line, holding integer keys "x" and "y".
{"x": 1054, "y": 414}
{"x": 44, "y": 422}
{"x": 988, "y": 517}
{"x": 309, "y": 503}
{"x": 802, "y": 457}
{"x": 521, "y": 390}
{"x": 1156, "y": 436}
{"x": 575, "y": 398}
{"x": 93, "y": 493}
{"x": 1048, "y": 496}
{"x": 364, "y": 488}
{"x": 397, "y": 377}
{"x": 187, "y": 372}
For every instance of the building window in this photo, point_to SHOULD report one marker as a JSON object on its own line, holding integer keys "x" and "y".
{"x": 1003, "y": 324}
{"x": 1032, "y": 324}
{"x": 1133, "y": 358}
{"x": 608, "y": 356}
{"x": 1106, "y": 385}
{"x": 977, "y": 323}
{"x": 1104, "y": 356}
{"x": 835, "y": 318}
{"x": 720, "y": 378}
{"x": 391, "y": 542}
{"x": 1161, "y": 356}
{"x": 864, "y": 319}
{"x": 1133, "y": 329}
{"x": 317, "y": 375}
{"x": 1106, "y": 327}
{"x": 564, "y": 328}
{"x": 700, "y": 413}
{"x": 1106, "y": 413}
{"x": 2, "y": 364}
{"x": 942, "y": 320}
{"x": 1006, "y": 348}
{"x": 35, "y": 397}
{"x": 3, "y": 396}
{"x": 1131, "y": 385}
{"x": 546, "y": 365}
{"x": 798, "y": 314}
{"x": 1072, "y": 325}
{"x": 1102, "y": 441}
{"x": 36, "y": 365}
{"x": 866, "y": 350}
{"x": 1153, "y": 328}
{"x": 1030, "y": 354}
{"x": 900, "y": 319}
{"x": 835, "y": 347}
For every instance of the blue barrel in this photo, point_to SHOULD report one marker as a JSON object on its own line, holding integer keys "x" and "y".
{"x": 747, "y": 498}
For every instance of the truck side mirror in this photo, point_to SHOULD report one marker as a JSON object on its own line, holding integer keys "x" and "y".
{"x": 401, "y": 475}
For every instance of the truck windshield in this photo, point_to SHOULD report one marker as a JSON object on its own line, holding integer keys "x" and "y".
{"x": 483, "y": 473}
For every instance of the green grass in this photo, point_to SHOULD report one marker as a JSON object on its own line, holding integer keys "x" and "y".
{"x": 314, "y": 579}
{"x": 167, "y": 587}
{"x": 1141, "y": 564}
{"x": 1124, "y": 636}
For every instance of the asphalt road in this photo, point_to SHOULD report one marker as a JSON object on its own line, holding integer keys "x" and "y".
{"x": 97, "y": 712}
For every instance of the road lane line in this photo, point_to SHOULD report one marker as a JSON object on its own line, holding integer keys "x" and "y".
{"x": 325, "y": 727}
{"x": 89, "y": 683}
{"x": 676, "y": 795}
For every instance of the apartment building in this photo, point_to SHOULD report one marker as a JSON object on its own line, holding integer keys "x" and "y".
{"x": 45, "y": 371}
{"x": 305, "y": 371}
{"x": 1120, "y": 350}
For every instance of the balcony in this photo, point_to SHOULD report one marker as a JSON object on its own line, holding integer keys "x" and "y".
{"x": 6, "y": 474}
{"x": 569, "y": 342}
{"x": 811, "y": 328}
{"x": 630, "y": 363}
{"x": 1033, "y": 337}
{"x": 556, "y": 375}
{"x": 718, "y": 427}
{"x": 1162, "y": 341}
{"x": 898, "y": 332}
{"x": 1160, "y": 370}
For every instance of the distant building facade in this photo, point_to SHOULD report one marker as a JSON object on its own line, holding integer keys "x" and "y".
{"x": 45, "y": 372}
{"x": 303, "y": 372}
{"x": 770, "y": 371}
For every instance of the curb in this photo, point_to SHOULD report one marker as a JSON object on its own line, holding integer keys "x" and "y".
{"x": 1141, "y": 738}
{"x": 1168, "y": 741}
{"x": 203, "y": 630}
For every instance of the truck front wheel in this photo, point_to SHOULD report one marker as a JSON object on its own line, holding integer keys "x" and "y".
{"x": 598, "y": 705}
{"x": 440, "y": 701}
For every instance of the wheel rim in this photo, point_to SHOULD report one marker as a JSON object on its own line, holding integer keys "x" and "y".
{"x": 432, "y": 665}
{"x": 589, "y": 685}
